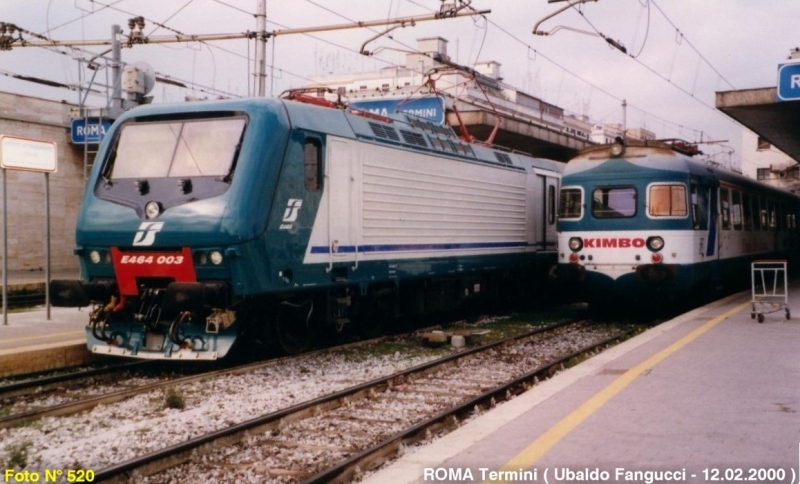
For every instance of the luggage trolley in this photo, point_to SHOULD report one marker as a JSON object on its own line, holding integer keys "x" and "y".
{"x": 770, "y": 287}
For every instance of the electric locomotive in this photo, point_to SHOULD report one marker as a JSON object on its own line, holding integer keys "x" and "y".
{"x": 646, "y": 222}
{"x": 273, "y": 220}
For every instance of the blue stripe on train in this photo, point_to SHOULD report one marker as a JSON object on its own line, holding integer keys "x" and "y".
{"x": 345, "y": 249}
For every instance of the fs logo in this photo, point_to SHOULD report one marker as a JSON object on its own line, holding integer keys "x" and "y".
{"x": 291, "y": 213}
{"x": 147, "y": 233}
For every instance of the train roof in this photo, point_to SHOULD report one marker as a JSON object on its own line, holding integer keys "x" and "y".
{"x": 647, "y": 156}
{"x": 401, "y": 131}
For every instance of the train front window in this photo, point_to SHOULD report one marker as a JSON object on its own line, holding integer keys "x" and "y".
{"x": 570, "y": 204}
{"x": 614, "y": 202}
{"x": 667, "y": 200}
{"x": 177, "y": 149}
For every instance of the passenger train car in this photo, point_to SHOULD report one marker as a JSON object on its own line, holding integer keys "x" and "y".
{"x": 646, "y": 222}
{"x": 273, "y": 220}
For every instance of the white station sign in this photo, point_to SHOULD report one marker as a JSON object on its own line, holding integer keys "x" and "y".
{"x": 27, "y": 154}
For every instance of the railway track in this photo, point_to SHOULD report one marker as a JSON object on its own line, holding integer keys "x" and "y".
{"x": 74, "y": 392}
{"x": 332, "y": 438}
{"x": 39, "y": 383}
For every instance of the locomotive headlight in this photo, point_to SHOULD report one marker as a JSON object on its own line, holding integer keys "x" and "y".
{"x": 152, "y": 209}
{"x": 654, "y": 244}
{"x": 617, "y": 149}
{"x": 94, "y": 256}
{"x": 216, "y": 257}
{"x": 575, "y": 244}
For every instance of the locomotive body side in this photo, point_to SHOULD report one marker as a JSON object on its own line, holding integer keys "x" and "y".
{"x": 651, "y": 223}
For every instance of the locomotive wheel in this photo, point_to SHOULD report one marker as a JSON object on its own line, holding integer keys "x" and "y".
{"x": 292, "y": 331}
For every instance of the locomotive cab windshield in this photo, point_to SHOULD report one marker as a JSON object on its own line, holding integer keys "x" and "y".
{"x": 171, "y": 161}
{"x": 176, "y": 149}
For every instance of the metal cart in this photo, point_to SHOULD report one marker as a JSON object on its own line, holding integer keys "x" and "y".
{"x": 770, "y": 287}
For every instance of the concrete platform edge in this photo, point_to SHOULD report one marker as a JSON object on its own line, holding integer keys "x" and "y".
{"x": 409, "y": 468}
{"x": 45, "y": 357}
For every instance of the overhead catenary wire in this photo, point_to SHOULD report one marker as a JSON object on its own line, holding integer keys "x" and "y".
{"x": 683, "y": 36}
{"x": 110, "y": 4}
{"x": 571, "y": 73}
{"x": 658, "y": 74}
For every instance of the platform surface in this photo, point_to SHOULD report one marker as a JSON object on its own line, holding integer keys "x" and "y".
{"x": 32, "y": 342}
{"x": 710, "y": 396}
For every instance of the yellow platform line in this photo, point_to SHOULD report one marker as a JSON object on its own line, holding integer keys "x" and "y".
{"x": 531, "y": 454}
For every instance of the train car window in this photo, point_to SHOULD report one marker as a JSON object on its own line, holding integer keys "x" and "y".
{"x": 747, "y": 213}
{"x": 551, "y": 204}
{"x": 177, "y": 149}
{"x": 736, "y": 209}
{"x": 312, "y": 162}
{"x": 570, "y": 203}
{"x": 699, "y": 207}
{"x": 764, "y": 213}
{"x": 757, "y": 214}
{"x": 725, "y": 208}
{"x": 667, "y": 201}
{"x": 773, "y": 220}
{"x": 614, "y": 202}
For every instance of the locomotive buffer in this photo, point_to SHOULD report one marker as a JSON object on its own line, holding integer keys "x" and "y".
{"x": 770, "y": 288}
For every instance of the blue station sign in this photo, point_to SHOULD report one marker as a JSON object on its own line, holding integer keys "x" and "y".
{"x": 89, "y": 130}
{"x": 430, "y": 108}
{"x": 789, "y": 82}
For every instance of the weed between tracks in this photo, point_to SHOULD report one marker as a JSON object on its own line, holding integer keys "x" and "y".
{"x": 16, "y": 455}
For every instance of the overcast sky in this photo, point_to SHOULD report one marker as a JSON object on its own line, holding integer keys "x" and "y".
{"x": 679, "y": 52}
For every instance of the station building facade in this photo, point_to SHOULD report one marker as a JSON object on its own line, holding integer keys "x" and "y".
{"x": 34, "y": 118}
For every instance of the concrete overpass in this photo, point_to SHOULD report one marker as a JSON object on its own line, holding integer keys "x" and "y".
{"x": 522, "y": 135}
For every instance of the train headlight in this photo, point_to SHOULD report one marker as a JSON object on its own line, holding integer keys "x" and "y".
{"x": 216, "y": 257}
{"x": 654, "y": 244}
{"x": 575, "y": 244}
{"x": 152, "y": 209}
{"x": 617, "y": 149}
{"x": 94, "y": 256}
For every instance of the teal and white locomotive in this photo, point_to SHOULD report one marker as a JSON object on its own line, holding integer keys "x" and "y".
{"x": 274, "y": 220}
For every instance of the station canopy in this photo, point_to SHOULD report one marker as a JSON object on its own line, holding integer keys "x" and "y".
{"x": 759, "y": 111}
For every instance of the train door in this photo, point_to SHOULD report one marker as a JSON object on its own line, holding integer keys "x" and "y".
{"x": 338, "y": 167}
{"x": 726, "y": 235}
{"x": 542, "y": 194}
{"x": 705, "y": 219}
{"x": 549, "y": 233}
